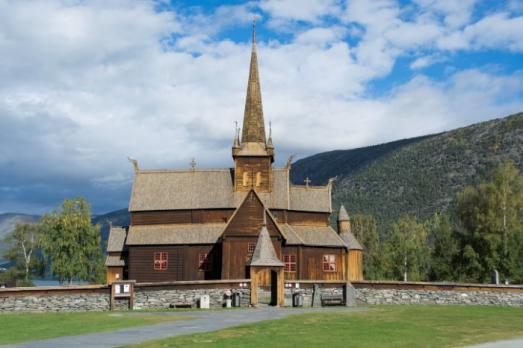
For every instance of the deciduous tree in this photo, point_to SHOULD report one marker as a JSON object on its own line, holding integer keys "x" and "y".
{"x": 406, "y": 251}
{"x": 365, "y": 230}
{"x": 72, "y": 243}
{"x": 23, "y": 244}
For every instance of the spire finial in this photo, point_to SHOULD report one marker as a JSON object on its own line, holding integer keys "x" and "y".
{"x": 193, "y": 163}
{"x": 254, "y": 33}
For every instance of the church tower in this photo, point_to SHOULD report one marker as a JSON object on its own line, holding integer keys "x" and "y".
{"x": 253, "y": 155}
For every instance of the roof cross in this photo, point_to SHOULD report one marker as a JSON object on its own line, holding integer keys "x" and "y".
{"x": 307, "y": 181}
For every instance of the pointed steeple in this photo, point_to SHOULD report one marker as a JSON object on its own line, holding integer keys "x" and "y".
{"x": 343, "y": 215}
{"x": 264, "y": 253}
{"x": 253, "y": 124}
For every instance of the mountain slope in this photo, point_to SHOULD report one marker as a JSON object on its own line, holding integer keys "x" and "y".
{"x": 416, "y": 176}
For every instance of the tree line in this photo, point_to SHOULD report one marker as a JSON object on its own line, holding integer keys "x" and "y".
{"x": 480, "y": 234}
{"x": 63, "y": 243}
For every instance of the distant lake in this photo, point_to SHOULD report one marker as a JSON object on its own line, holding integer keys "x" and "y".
{"x": 51, "y": 282}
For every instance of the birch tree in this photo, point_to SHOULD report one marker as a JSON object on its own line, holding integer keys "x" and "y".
{"x": 71, "y": 243}
{"x": 23, "y": 244}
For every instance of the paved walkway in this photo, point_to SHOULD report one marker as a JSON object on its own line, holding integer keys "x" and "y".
{"x": 514, "y": 343}
{"x": 202, "y": 322}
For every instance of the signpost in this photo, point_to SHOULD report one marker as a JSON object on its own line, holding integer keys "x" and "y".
{"x": 122, "y": 289}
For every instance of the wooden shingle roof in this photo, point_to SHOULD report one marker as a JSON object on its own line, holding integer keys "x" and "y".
{"x": 312, "y": 236}
{"x": 264, "y": 253}
{"x": 174, "y": 234}
{"x": 351, "y": 241}
{"x": 116, "y": 240}
{"x": 114, "y": 261}
{"x": 213, "y": 188}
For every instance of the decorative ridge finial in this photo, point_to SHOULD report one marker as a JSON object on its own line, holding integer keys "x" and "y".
{"x": 269, "y": 140}
{"x": 135, "y": 164}
{"x": 236, "y": 142}
{"x": 265, "y": 217}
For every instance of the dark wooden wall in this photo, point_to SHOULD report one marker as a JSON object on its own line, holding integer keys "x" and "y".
{"x": 301, "y": 217}
{"x": 310, "y": 263}
{"x": 181, "y": 216}
{"x": 243, "y": 229}
{"x": 183, "y": 261}
{"x": 253, "y": 165}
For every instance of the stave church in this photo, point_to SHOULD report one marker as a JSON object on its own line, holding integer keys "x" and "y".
{"x": 233, "y": 223}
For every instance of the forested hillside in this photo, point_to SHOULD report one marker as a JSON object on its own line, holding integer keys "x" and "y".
{"x": 417, "y": 176}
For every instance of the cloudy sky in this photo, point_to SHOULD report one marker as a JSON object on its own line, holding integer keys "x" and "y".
{"x": 84, "y": 84}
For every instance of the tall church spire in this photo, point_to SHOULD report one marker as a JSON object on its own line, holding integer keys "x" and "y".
{"x": 253, "y": 125}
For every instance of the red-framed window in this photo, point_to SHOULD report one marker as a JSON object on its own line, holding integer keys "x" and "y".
{"x": 160, "y": 261}
{"x": 250, "y": 248}
{"x": 290, "y": 263}
{"x": 329, "y": 263}
{"x": 204, "y": 263}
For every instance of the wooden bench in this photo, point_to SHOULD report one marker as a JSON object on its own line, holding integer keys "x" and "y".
{"x": 332, "y": 300}
{"x": 181, "y": 305}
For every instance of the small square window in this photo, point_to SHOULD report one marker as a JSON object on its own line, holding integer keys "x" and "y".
{"x": 290, "y": 263}
{"x": 160, "y": 261}
{"x": 329, "y": 263}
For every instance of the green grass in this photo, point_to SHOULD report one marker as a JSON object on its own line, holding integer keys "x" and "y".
{"x": 22, "y": 327}
{"x": 381, "y": 326}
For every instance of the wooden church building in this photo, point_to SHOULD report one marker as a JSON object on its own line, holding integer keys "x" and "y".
{"x": 199, "y": 224}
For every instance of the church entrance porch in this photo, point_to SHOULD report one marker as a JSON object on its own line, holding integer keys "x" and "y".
{"x": 267, "y": 285}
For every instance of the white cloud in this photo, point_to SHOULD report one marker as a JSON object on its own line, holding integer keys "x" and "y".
{"x": 498, "y": 30}
{"x": 298, "y": 10}
{"x": 425, "y": 61}
{"x": 84, "y": 85}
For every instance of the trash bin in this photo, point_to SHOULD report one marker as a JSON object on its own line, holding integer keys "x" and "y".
{"x": 228, "y": 300}
{"x": 236, "y": 299}
{"x": 297, "y": 299}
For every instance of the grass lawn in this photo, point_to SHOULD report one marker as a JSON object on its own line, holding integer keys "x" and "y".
{"x": 381, "y": 326}
{"x": 20, "y": 327}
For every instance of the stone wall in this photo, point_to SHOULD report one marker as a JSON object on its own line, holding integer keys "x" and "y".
{"x": 308, "y": 294}
{"x": 97, "y": 297}
{"x": 444, "y": 297}
{"x": 168, "y": 298}
{"x": 55, "y": 303}
{"x": 166, "y": 295}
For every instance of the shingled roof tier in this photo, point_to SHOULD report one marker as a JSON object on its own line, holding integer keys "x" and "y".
{"x": 351, "y": 241}
{"x": 213, "y": 188}
{"x": 114, "y": 261}
{"x": 312, "y": 236}
{"x": 174, "y": 234}
{"x": 116, "y": 240}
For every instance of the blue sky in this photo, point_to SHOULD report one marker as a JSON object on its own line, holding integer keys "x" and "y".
{"x": 85, "y": 84}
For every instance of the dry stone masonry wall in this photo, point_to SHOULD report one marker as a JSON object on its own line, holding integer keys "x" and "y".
{"x": 161, "y": 299}
{"x": 151, "y": 297}
{"x": 443, "y": 297}
{"x": 55, "y": 303}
